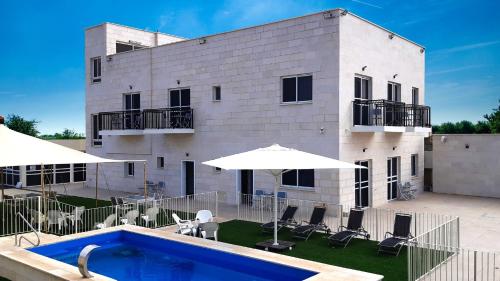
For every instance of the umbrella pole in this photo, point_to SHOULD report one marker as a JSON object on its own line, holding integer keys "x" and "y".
{"x": 42, "y": 177}
{"x": 96, "y": 181}
{"x": 276, "y": 187}
{"x": 1, "y": 181}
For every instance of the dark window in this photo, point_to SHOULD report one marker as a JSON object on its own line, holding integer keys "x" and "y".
{"x": 216, "y": 93}
{"x": 393, "y": 91}
{"x": 297, "y": 88}
{"x": 298, "y": 178}
{"x": 120, "y": 47}
{"x": 63, "y": 173}
{"x": 95, "y": 70}
{"x": 160, "y": 162}
{"x": 33, "y": 175}
{"x": 79, "y": 172}
{"x": 132, "y": 101}
{"x": 180, "y": 98}
{"x": 304, "y": 88}
{"x": 414, "y": 96}
{"x": 129, "y": 169}
{"x": 414, "y": 165}
{"x": 362, "y": 89}
{"x": 96, "y": 127}
{"x": 11, "y": 175}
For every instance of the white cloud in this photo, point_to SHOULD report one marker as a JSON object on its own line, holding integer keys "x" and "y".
{"x": 454, "y": 69}
{"x": 466, "y": 47}
{"x": 367, "y": 4}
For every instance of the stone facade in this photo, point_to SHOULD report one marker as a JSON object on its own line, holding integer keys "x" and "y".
{"x": 248, "y": 65}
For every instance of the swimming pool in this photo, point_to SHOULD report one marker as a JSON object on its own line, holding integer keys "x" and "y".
{"x": 125, "y": 255}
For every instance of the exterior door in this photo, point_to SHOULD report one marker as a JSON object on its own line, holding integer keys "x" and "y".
{"x": 362, "y": 185}
{"x": 246, "y": 186}
{"x": 361, "y": 97}
{"x": 393, "y": 110}
{"x": 188, "y": 177}
{"x": 180, "y": 104}
{"x": 392, "y": 178}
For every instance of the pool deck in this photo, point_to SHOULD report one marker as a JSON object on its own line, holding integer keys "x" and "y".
{"x": 16, "y": 263}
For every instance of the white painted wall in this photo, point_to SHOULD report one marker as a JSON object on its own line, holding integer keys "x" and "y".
{"x": 474, "y": 171}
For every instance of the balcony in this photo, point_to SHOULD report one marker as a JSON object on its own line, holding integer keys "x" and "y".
{"x": 389, "y": 116}
{"x": 147, "y": 121}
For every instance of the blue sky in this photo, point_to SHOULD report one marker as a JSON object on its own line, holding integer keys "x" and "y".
{"x": 42, "y": 65}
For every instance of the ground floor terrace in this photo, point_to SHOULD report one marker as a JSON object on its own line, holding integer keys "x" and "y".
{"x": 240, "y": 225}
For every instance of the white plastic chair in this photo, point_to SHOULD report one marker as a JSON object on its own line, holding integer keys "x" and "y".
{"x": 209, "y": 230}
{"x": 150, "y": 216}
{"x": 76, "y": 215}
{"x": 185, "y": 226}
{"x": 203, "y": 216}
{"x": 130, "y": 217}
{"x": 19, "y": 185}
{"x": 108, "y": 222}
{"x": 55, "y": 217}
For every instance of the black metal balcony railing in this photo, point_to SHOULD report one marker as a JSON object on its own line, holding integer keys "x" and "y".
{"x": 390, "y": 113}
{"x": 164, "y": 118}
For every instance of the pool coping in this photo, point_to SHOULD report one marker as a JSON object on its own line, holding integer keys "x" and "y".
{"x": 15, "y": 260}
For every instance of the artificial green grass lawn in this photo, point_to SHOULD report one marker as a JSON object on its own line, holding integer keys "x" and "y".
{"x": 82, "y": 201}
{"x": 360, "y": 254}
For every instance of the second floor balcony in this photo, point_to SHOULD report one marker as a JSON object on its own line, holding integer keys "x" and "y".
{"x": 390, "y": 116}
{"x": 148, "y": 121}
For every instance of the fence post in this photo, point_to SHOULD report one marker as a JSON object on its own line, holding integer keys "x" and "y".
{"x": 217, "y": 204}
{"x": 40, "y": 214}
{"x": 458, "y": 232}
{"x": 475, "y": 265}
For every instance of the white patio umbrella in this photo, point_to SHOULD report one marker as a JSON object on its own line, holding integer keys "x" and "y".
{"x": 276, "y": 160}
{"x": 18, "y": 149}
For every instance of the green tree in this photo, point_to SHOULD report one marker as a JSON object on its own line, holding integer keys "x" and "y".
{"x": 21, "y": 125}
{"x": 67, "y": 134}
{"x": 482, "y": 127}
{"x": 494, "y": 119}
{"x": 465, "y": 127}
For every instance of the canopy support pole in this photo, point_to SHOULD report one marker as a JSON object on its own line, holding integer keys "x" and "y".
{"x": 1, "y": 181}
{"x": 44, "y": 203}
{"x": 96, "y": 181}
{"x": 145, "y": 183}
{"x": 276, "y": 187}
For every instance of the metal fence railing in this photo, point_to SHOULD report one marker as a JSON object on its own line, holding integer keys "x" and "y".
{"x": 54, "y": 217}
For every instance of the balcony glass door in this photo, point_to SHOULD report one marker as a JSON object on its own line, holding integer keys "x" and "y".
{"x": 132, "y": 113}
{"x": 362, "y": 185}
{"x": 394, "y": 108}
{"x": 362, "y": 87}
{"x": 180, "y": 103}
{"x": 392, "y": 178}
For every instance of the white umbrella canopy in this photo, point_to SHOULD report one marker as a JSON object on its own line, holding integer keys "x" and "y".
{"x": 276, "y": 160}
{"x": 18, "y": 149}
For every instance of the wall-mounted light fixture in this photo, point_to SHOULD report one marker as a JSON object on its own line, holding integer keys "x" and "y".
{"x": 344, "y": 12}
{"x": 187, "y": 154}
{"x": 422, "y": 50}
{"x": 364, "y": 149}
{"x": 328, "y": 15}
{"x": 364, "y": 67}
{"x": 322, "y": 130}
{"x": 109, "y": 58}
{"x": 202, "y": 41}
{"x": 178, "y": 82}
{"x": 467, "y": 146}
{"x": 394, "y": 76}
{"x": 394, "y": 147}
{"x": 130, "y": 87}
{"x": 391, "y": 36}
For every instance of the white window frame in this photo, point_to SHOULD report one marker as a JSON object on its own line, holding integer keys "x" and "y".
{"x": 296, "y": 89}
{"x": 127, "y": 169}
{"x": 414, "y": 165}
{"x": 214, "y": 93}
{"x": 299, "y": 187}
{"x": 94, "y": 78}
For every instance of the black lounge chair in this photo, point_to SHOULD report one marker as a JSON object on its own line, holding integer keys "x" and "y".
{"x": 354, "y": 228}
{"x": 316, "y": 223}
{"x": 286, "y": 219}
{"x": 393, "y": 242}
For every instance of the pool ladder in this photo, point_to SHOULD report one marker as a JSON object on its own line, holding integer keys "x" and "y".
{"x": 83, "y": 260}
{"x": 17, "y": 242}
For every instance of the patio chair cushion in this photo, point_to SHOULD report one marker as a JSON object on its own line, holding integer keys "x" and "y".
{"x": 304, "y": 229}
{"x": 342, "y": 236}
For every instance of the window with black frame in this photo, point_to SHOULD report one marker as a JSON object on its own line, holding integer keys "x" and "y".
{"x": 298, "y": 179}
{"x": 96, "y": 127}
{"x": 132, "y": 111}
{"x": 297, "y": 89}
{"x": 180, "y": 108}
{"x": 95, "y": 70}
{"x": 62, "y": 173}
{"x": 362, "y": 94}
{"x": 33, "y": 175}
{"x": 79, "y": 172}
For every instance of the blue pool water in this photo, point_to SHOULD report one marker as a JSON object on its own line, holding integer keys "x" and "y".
{"x": 126, "y": 255}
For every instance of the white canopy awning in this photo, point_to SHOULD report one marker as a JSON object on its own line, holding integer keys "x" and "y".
{"x": 18, "y": 149}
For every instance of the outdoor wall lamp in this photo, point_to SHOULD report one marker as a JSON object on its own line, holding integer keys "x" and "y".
{"x": 394, "y": 76}
{"x": 344, "y": 12}
{"x": 364, "y": 149}
{"x": 130, "y": 87}
{"x": 391, "y": 36}
{"x": 467, "y": 146}
{"x": 394, "y": 147}
{"x": 322, "y": 130}
{"x": 422, "y": 50}
{"x": 178, "y": 82}
{"x": 187, "y": 154}
{"x": 202, "y": 41}
{"x": 364, "y": 67}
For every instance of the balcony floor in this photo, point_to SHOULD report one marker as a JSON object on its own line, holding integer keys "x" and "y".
{"x": 145, "y": 132}
{"x": 389, "y": 129}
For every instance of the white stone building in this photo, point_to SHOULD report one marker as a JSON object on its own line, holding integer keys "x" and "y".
{"x": 329, "y": 83}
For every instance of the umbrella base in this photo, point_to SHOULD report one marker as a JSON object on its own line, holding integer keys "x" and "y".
{"x": 281, "y": 247}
